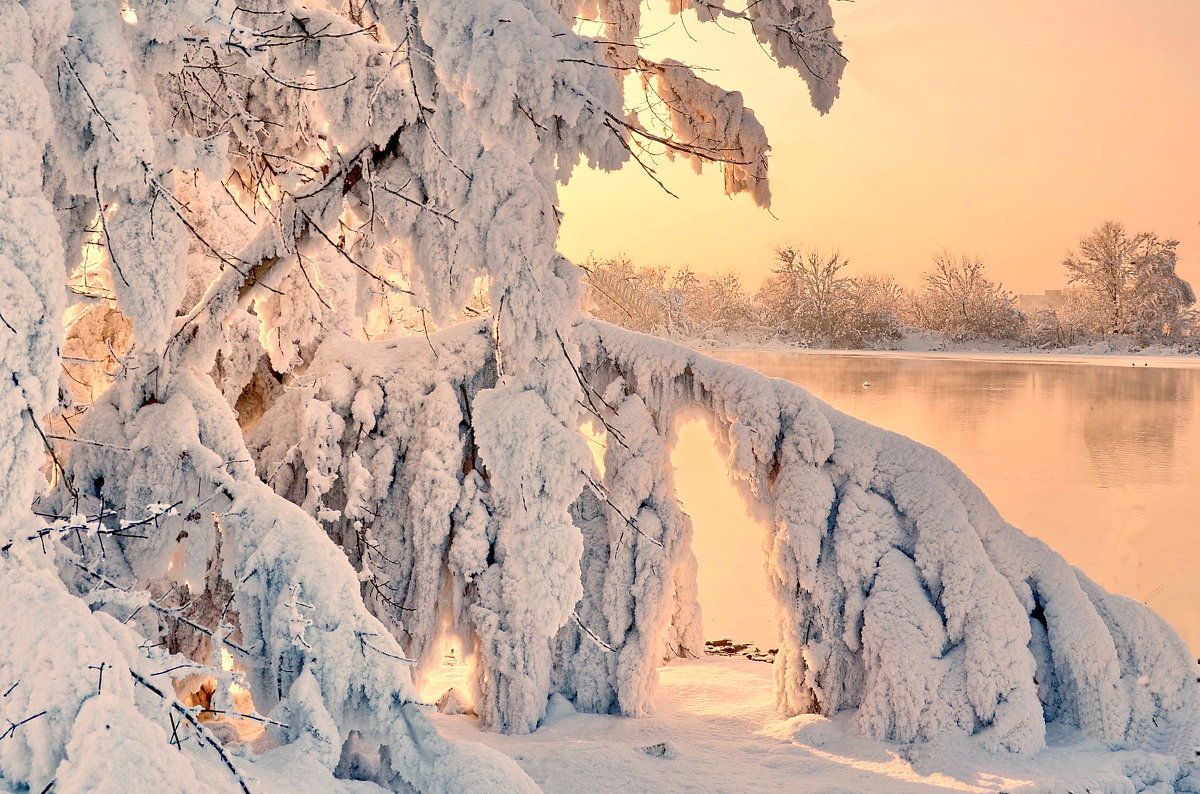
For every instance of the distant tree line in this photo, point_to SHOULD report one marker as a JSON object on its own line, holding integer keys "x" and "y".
{"x": 1121, "y": 285}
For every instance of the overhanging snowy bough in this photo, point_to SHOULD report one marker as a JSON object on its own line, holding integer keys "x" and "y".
{"x": 902, "y": 594}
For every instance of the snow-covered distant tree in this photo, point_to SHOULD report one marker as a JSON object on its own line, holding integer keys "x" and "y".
{"x": 721, "y": 302}
{"x": 807, "y": 293}
{"x": 668, "y": 303}
{"x": 877, "y": 304}
{"x": 808, "y": 296}
{"x": 959, "y": 300}
{"x": 646, "y": 299}
{"x": 1131, "y": 280}
{"x": 278, "y": 470}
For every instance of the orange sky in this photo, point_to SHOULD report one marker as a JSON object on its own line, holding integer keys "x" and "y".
{"x": 1002, "y": 129}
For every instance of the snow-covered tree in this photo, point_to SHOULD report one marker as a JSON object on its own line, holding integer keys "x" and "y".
{"x": 234, "y": 242}
{"x": 668, "y": 303}
{"x": 959, "y": 300}
{"x": 646, "y": 299}
{"x": 809, "y": 296}
{"x": 1132, "y": 283}
{"x": 807, "y": 293}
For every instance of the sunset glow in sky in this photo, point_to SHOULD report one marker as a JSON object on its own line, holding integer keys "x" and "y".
{"x": 1005, "y": 130}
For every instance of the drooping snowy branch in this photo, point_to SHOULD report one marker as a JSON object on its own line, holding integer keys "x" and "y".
{"x": 902, "y": 593}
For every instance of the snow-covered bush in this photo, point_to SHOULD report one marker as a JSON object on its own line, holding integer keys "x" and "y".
{"x": 960, "y": 301}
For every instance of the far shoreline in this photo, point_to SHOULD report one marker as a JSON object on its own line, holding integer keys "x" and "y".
{"x": 1156, "y": 356}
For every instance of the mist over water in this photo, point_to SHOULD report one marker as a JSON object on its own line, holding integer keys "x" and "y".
{"x": 1100, "y": 462}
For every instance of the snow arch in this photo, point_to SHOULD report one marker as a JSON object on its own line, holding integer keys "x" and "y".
{"x": 902, "y": 594}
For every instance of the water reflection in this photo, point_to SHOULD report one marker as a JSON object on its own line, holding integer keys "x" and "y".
{"x": 1103, "y": 463}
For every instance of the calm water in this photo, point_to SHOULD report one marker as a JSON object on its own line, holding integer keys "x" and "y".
{"x": 1101, "y": 462}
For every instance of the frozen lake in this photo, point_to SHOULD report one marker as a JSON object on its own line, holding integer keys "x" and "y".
{"x": 1099, "y": 460}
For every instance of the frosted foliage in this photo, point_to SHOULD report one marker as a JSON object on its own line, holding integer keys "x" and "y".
{"x": 30, "y": 289}
{"x": 902, "y": 594}
{"x": 318, "y": 653}
{"x": 103, "y": 750}
{"x": 797, "y": 33}
{"x": 714, "y": 118}
{"x": 59, "y": 696}
{"x": 903, "y": 640}
{"x": 639, "y": 599}
{"x": 251, "y": 196}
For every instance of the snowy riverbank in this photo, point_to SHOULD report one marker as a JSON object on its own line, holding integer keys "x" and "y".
{"x": 716, "y": 717}
{"x": 1101, "y": 353}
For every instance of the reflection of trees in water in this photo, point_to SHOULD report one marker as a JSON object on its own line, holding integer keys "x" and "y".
{"x": 966, "y": 393}
{"x": 1135, "y": 414}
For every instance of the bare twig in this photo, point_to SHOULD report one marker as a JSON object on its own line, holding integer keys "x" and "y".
{"x": 112, "y": 256}
{"x": 12, "y": 726}
{"x": 603, "y": 494}
{"x": 351, "y": 259}
{"x": 299, "y": 87}
{"x": 91, "y": 99}
{"x": 202, "y": 732}
{"x": 592, "y": 634}
{"x": 75, "y": 440}
{"x": 50, "y": 449}
{"x": 363, "y": 645}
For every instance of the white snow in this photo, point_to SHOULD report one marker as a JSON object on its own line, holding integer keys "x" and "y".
{"x": 717, "y": 717}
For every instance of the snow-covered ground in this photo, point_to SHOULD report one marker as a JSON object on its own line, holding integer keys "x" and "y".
{"x": 722, "y": 734}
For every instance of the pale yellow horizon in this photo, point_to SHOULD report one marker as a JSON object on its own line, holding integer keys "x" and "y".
{"x": 1001, "y": 130}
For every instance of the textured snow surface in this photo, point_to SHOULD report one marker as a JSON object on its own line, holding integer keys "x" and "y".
{"x": 717, "y": 716}
{"x": 904, "y": 599}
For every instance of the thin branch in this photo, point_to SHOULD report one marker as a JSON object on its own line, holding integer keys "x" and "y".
{"x": 649, "y": 171}
{"x": 91, "y": 99}
{"x": 112, "y": 256}
{"x": 351, "y": 259}
{"x": 75, "y": 440}
{"x": 363, "y": 644}
{"x": 299, "y": 87}
{"x": 592, "y": 634}
{"x": 416, "y": 203}
{"x": 603, "y": 494}
{"x": 50, "y": 449}
{"x": 199, "y": 728}
{"x": 587, "y": 392}
{"x": 12, "y": 726}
